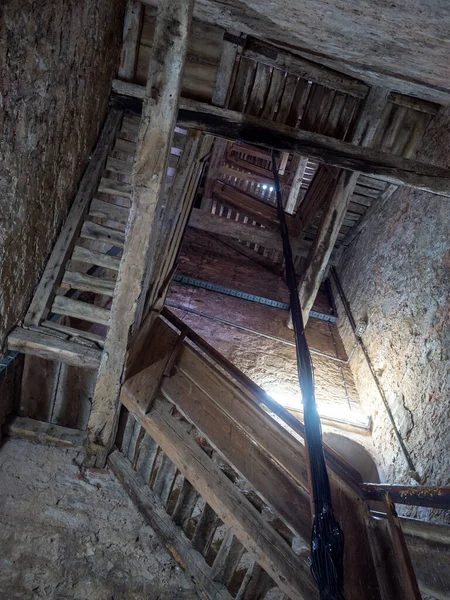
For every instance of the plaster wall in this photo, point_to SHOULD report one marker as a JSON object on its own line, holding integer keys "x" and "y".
{"x": 57, "y": 60}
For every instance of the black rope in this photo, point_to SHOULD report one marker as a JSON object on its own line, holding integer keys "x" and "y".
{"x": 327, "y": 540}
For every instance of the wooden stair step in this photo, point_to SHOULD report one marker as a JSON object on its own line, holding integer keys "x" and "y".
{"x": 40, "y": 342}
{"x": 185, "y": 504}
{"x": 114, "y": 188}
{"x": 125, "y": 146}
{"x": 115, "y": 165}
{"x": 255, "y": 584}
{"x": 92, "y": 257}
{"x": 204, "y": 530}
{"x": 146, "y": 457}
{"x": 108, "y": 210}
{"x": 73, "y": 280}
{"x": 165, "y": 479}
{"x": 45, "y": 433}
{"x": 80, "y": 310}
{"x": 227, "y": 559}
{"x": 82, "y": 337}
{"x": 100, "y": 233}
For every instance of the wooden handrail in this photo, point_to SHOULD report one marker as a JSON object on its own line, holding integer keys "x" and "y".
{"x": 413, "y": 495}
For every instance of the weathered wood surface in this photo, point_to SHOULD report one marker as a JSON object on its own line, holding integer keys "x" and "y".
{"x": 215, "y": 160}
{"x": 224, "y": 72}
{"x": 154, "y": 144}
{"x": 293, "y": 200}
{"x": 93, "y": 257}
{"x": 83, "y": 282}
{"x": 170, "y": 535}
{"x": 234, "y": 126}
{"x": 41, "y": 342}
{"x": 44, "y": 433}
{"x": 134, "y": 13}
{"x": 268, "y": 238}
{"x": 255, "y": 584}
{"x": 306, "y": 69}
{"x": 227, "y": 559}
{"x": 289, "y": 571}
{"x": 412, "y": 495}
{"x": 62, "y": 305}
{"x": 54, "y": 269}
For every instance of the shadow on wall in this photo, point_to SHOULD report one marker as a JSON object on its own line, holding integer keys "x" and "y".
{"x": 355, "y": 454}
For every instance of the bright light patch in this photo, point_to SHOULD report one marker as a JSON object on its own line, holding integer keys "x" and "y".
{"x": 264, "y": 187}
{"x": 271, "y": 189}
{"x": 338, "y": 412}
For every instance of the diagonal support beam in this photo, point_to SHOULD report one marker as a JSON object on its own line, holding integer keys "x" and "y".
{"x": 159, "y": 114}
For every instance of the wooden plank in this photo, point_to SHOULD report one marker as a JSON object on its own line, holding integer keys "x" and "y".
{"x": 255, "y": 584}
{"x": 215, "y": 160}
{"x": 227, "y": 559}
{"x": 412, "y": 495}
{"x": 204, "y": 530}
{"x": 251, "y": 452}
{"x": 114, "y": 188}
{"x": 80, "y": 310}
{"x": 155, "y": 140}
{"x": 186, "y": 502}
{"x": 44, "y": 433}
{"x": 232, "y": 125}
{"x": 408, "y": 578}
{"x": 83, "y": 337}
{"x": 296, "y": 65}
{"x": 418, "y": 104}
{"x": 100, "y": 233}
{"x": 41, "y": 343}
{"x": 116, "y": 165}
{"x": 147, "y": 452}
{"x": 289, "y": 571}
{"x": 134, "y": 13}
{"x": 224, "y": 72}
{"x": 169, "y": 534}
{"x": 108, "y": 210}
{"x": 164, "y": 479}
{"x": 73, "y": 280}
{"x": 54, "y": 269}
{"x": 267, "y": 238}
{"x": 93, "y": 257}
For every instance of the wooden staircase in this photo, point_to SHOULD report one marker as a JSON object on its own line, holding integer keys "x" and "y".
{"x": 69, "y": 316}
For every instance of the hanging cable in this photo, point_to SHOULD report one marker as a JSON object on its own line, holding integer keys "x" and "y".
{"x": 327, "y": 540}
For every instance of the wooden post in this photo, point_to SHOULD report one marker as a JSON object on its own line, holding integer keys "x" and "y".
{"x": 158, "y": 120}
{"x": 338, "y": 204}
{"x": 293, "y": 200}
{"x": 132, "y": 26}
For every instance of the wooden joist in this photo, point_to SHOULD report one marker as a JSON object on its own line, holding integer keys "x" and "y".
{"x": 41, "y": 342}
{"x": 44, "y": 433}
{"x": 234, "y": 126}
{"x": 67, "y": 238}
{"x": 153, "y": 148}
{"x": 289, "y": 571}
{"x": 171, "y": 536}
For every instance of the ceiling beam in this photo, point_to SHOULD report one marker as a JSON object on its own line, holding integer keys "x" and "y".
{"x": 234, "y": 126}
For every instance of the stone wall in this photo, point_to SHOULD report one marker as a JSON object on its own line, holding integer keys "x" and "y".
{"x": 57, "y": 59}
{"x": 396, "y": 276}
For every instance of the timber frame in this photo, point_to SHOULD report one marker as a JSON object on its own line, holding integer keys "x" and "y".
{"x": 180, "y": 426}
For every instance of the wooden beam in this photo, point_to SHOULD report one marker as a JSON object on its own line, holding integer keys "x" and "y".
{"x": 44, "y": 433}
{"x": 268, "y": 238}
{"x": 234, "y": 126}
{"x": 412, "y": 495}
{"x": 54, "y": 270}
{"x": 224, "y": 72}
{"x": 253, "y": 130}
{"x": 154, "y": 144}
{"x": 170, "y": 535}
{"x": 293, "y": 200}
{"x": 215, "y": 161}
{"x": 334, "y": 214}
{"x": 132, "y": 26}
{"x": 41, "y": 342}
{"x": 289, "y": 571}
